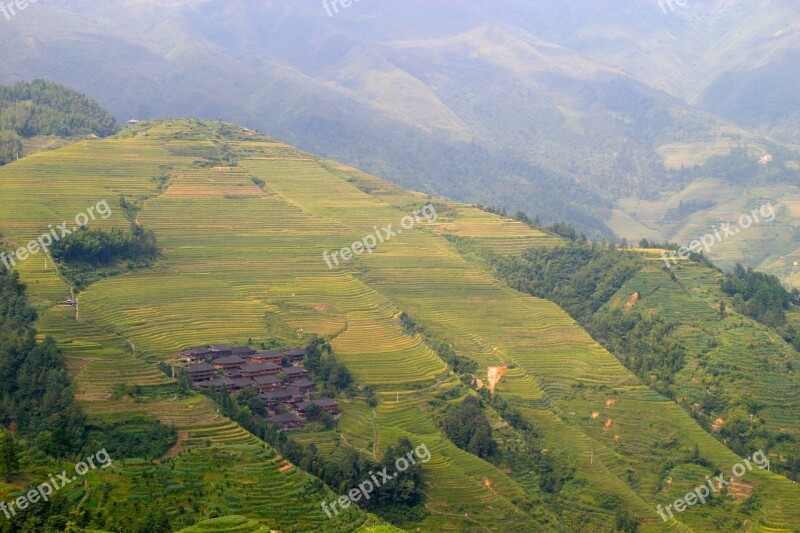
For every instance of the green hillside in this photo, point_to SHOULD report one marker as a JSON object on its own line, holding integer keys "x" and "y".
{"x": 737, "y": 369}
{"x": 39, "y": 115}
{"x": 242, "y": 222}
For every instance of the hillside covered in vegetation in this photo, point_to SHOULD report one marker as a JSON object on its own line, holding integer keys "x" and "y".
{"x": 530, "y": 423}
{"x": 719, "y": 344}
{"x": 42, "y": 108}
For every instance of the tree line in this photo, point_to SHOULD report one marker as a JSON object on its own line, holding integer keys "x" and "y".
{"x": 39, "y": 107}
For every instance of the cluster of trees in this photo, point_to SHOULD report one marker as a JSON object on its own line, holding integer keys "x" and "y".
{"x": 39, "y": 107}
{"x": 135, "y": 437}
{"x": 325, "y": 369}
{"x": 642, "y": 343}
{"x": 44, "y": 108}
{"x": 101, "y": 248}
{"x": 10, "y": 146}
{"x": 467, "y": 426}
{"x": 579, "y": 276}
{"x": 762, "y": 297}
{"x": 35, "y": 395}
{"x": 90, "y": 254}
{"x": 346, "y": 472}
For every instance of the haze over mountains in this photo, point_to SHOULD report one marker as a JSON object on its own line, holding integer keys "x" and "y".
{"x": 566, "y": 110}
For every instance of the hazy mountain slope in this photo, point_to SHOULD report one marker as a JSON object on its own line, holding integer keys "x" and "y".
{"x": 560, "y": 110}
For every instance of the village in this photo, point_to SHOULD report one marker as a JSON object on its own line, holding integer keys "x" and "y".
{"x": 278, "y": 376}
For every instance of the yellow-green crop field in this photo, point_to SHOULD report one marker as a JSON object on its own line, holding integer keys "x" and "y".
{"x": 244, "y": 261}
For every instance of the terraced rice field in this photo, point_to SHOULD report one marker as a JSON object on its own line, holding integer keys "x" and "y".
{"x": 245, "y": 261}
{"x": 751, "y": 356}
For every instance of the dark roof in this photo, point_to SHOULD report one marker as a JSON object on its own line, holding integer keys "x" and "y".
{"x": 200, "y": 367}
{"x": 230, "y": 360}
{"x": 295, "y": 352}
{"x": 282, "y": 419}
{"x": 196, "y": 351}
{"x": 294, "y": 370}
{"x": 295, "y": 392}
{"x": 221, "y": 382}
{"x": 276, "y": 394}
{"x": 266, "y": 380}
{"x": 270, "y": 354}
{"x": 242, "y": 382}
{"x": 303, "y": 382}
{"x": 242, "y": 350}
{"x": 220, "y": 348}
{"x": 326, "y": 402}
{"x": 256, "y": 367}
{"x": 233, "y": 374}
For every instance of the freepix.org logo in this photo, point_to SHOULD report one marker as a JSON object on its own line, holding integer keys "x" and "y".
{"x": 370, "y": 241}
{"x": 60, "y": 231}
{"x": 10, "y": 9}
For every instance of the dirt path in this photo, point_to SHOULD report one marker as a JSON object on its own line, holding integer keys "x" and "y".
{"x": 494, "y": 373}
{"x": 375, "y": 434}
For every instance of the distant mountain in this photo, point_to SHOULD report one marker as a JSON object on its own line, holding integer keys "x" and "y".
{"x": 556, "y": 109}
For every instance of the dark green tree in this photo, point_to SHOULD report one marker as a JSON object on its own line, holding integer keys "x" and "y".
{"x": 9, "y": 459}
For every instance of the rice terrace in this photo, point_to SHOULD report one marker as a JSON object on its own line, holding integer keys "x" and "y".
{"x": 383, "y": 267}
{"x": 240, "y": 243}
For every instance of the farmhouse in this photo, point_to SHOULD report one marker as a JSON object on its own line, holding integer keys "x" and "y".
{"x": 200, "y": 372}
{"x": 260, "y": 369}
{"x": 220, "y": 350}
{"x": 295, "y": 372}
{"x": 216, "y": 384}
{"x": 231, "y": 362}
{"x": 242, "y": 351}
{"x": 195, "y": 355}
{"x": 332, "y": 406}
{"x": 305, "y": 385}
{"x": 297, "y": 395}
{"x": 287, "y": 421}
{"x": 295, "y": 356}
{"x": 241, "y": 383}
{"x": 275, "y": 397}
{"x": 272, "y": 356}
{"x": 267, "y": 383}
{"x": 245, "y": 368}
